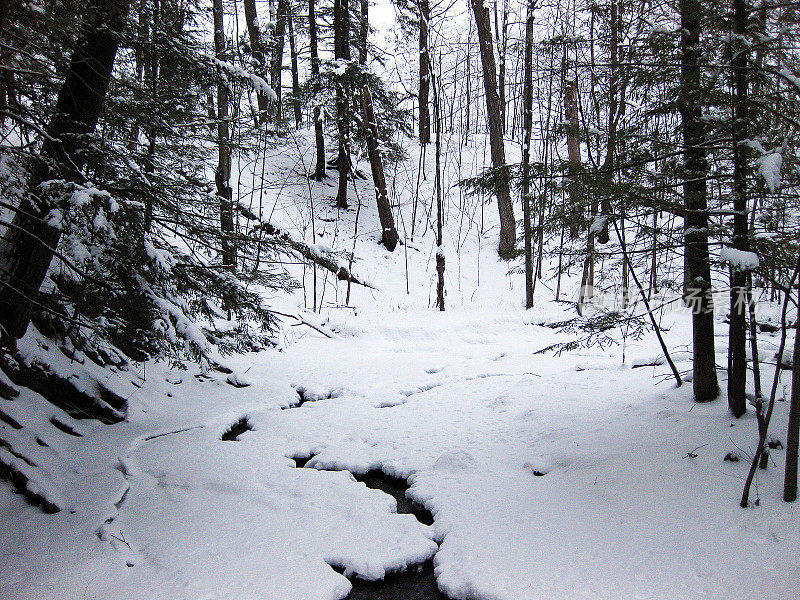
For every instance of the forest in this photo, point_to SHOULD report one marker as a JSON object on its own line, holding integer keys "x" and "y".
{"x": 399, "y": 299}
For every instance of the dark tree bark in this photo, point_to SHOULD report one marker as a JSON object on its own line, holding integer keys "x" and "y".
{"x": 737, "y": 336}
{"x": 424, "y": 74}
{"x": 698, "y": 290}
{"x": 27, "y": 248}
{"x": 440, "y": 259}
{"x": 527, "y": 128}
{"x": 363, "y": 32}
{"x": 574, "y": 157}
{"x": 793, "y": 431}
{"x": 298, "y": 112}
{"x": 341, "y": 30}
{"x": 257, "y": 52}
{"x": 222, "y": 176}
{"x": 504, "y": 205}
{"x": 276, "y": 60}
{"x": 389, "y": 235}
{"x": 616, "y": 106}
{"x": 319, "y": 169}
{"x": 501, "y": 30}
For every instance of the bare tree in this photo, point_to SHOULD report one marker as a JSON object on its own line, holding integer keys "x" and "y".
{"x": 341, "y": 33}
{"x": 737, "y": 338}
{"x": 389, "y": 237}
{"x": 257, "y": 51}
{"x": 793, "y": 431}
{"x": 698, "y": 289}
{"x": 424, "y": 73}
{"x": 222, "y": 176}
{"x": 504, "y": 205}
{"x": 319, "y": 169}
{"x": 298, "y": 113}
{"x": 276, "y": 60}
{"x": 527, "y": 128}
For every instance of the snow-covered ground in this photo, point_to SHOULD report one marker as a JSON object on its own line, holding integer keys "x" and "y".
{"x": 549, "y": 477}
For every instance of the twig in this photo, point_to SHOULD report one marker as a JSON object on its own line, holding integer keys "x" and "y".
{"x": 303, "y": 321}
{"x": 647, "y": 306}
{"x": 764, "y": 419}
{"x": 691, "y": 453}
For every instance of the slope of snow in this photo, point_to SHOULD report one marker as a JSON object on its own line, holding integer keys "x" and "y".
{"x": 571, "y": 476}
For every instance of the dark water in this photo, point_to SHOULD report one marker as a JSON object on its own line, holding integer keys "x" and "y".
{"x": 237, "y": 429}
{"x": 418, "y": 581}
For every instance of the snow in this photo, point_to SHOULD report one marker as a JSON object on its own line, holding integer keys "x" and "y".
{"x": 739, "y": 259}
{"x": 548, "y": 476}
{"x": 769, "y": 167}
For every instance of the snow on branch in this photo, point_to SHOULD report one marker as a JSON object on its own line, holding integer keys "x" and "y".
{"x": 317, "y": 254}
{"x": 258, "y": 83}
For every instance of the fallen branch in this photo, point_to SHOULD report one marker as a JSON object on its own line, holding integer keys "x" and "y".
{"x": 303, "y": 249}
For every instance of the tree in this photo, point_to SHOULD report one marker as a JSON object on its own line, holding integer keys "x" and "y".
{"x": 341, "y": 33}
{"x": 698, "y": 290}
{"x": 424, "y": 73}
{"x": 222, "y": 175}
{"x": 527, "y": 128}
{"x": 257, "y": 52}
{"x": 30, "y": 242}
{"x": 505, "y": 207}
{"x": 319, "y": 168}
{"x": 793, "y": 430}
{"x": 298, "y": 113}
{"x": 737, "y": 339}
{"x": 389, "y": 237}
{"x": 276, "y": 61}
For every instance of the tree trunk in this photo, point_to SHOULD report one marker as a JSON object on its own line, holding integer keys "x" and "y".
{"x": 504, "y": 205}
{"x": 501, "y": 30}
{"x": 737, "y": 337}
{"x": 527, "y": 128}
{"x": 793, "y": 431}
{"x": 615, "y": 109}
{"x": 424, "y": 74}
{"x": 276, "y": 61}
{"x": 257, "y": 52}
{"x": 389, "y": 235}
{"x": 222, "y": 176}
{"x": 698, "y": 290}
{"x": 27, "y": 247}
{"x": 319, "y": 169}
{"x": 440, "y": 259}
{"x": 341, "y": 30}
{"x": 363, "y": 33}
{"x": 298, "y": 112}
{"x": 574, "y": 157}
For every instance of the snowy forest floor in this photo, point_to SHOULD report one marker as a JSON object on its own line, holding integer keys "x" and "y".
{"x": 549, "y": 477}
